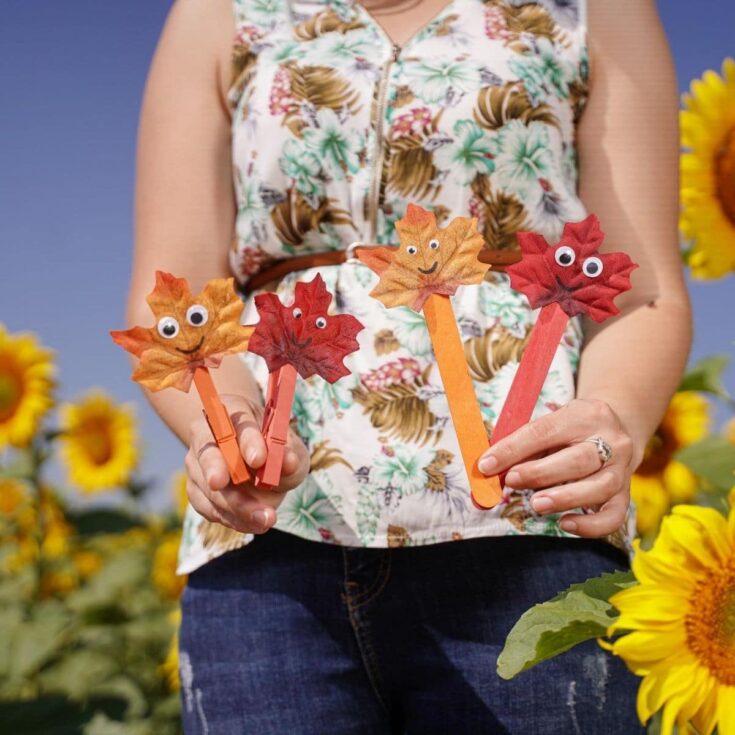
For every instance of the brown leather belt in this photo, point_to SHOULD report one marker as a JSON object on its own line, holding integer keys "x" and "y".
{"x": 498, "y": 259}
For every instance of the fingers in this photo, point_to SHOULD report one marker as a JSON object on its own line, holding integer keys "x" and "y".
{"x": 252, "y": 444}
{"x": 596, "y": 489}
{"x": 576, "y": 421}
{"x": 605, "y": 521}
{"x": 236, "y": 507}
{"x": 570, "y": 463}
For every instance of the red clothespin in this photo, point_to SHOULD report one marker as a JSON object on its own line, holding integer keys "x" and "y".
{"x": 276, "y": 420}
{"x": 564, "y": 280}
{"x": 301, "y": 338}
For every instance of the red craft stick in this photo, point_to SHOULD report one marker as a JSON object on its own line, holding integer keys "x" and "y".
{"x": 529, "y": 380}
{"x": 279, "y": 400}
{"x": 565, "y": 280}
{"x": 221, "y": 425}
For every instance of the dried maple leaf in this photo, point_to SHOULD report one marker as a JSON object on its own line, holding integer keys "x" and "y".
{"x": 573, "y": 273}
{"x": 428, "y": 259}
{"x": 190, "y": 332}
{"x": 303, "y": 334}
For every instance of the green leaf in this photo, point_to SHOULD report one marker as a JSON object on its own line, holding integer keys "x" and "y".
{"x": 706, "y": 376}
{"x": 579, "y": 613}
{"x": 712, "y": 459}
{"x": 53, "y": 715}
{"x": 102, "y": 520}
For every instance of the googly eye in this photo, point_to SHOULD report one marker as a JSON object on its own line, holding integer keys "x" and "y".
{"x": 297, "y": 313}
{"x": 412, "y": 250}
{"x": 434, "y": 244}
{"x": 197, "y": 315}
{"x": 168, "y": 327}
{"x": 592, "y": 267}
{"x": 321, "y": 322}
{"x": 564, "y": 255}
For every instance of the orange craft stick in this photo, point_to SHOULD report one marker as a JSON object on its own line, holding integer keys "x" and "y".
{"x": 279, "y": 400}
{"x": 466, "y": 416}
{"x": 221, "y": 425}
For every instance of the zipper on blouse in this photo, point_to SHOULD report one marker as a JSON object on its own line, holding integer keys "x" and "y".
{"x": 379, "y": 153}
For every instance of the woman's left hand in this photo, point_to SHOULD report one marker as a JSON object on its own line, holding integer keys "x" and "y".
{"x": 571, "y": 474}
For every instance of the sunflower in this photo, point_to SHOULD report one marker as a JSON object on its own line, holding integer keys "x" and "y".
{"x": 163, "y": 572}
{"x": 14, "y": 496}
{"x": 681, "y": 618}
{"x": 708, "y": 173}
{"x": 98, "y": 442}
{"x": 26, "y": 386}
{"x": 661, "y": 480}
{"x": 178, "y": 490}
{"x": 170, "y": 667}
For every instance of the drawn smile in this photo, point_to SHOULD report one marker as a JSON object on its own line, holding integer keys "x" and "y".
{"x": 429, "y": 271}
{"x": 193, "y": 349}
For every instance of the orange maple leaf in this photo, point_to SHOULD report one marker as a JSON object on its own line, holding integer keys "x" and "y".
{"x": 190, "y": 332}
{"x": 428, "y": 259}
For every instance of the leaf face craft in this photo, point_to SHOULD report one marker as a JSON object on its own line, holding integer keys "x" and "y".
{"x": 573, "y": 273}
{"x": 303, "y": 334}
{"x": 190, "y": 332}
{"x": 428, "y": 260}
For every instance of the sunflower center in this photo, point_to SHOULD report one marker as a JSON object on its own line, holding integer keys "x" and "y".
{"x": 725, "y": 175}
{"x": 658, "y": 452}
{"x": 710, "y": 622}
{"x": 96, "y": 441}
{"x": 11, "y": 389}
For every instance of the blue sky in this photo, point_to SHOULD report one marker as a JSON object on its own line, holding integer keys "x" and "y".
{"x": 71, "y": 80}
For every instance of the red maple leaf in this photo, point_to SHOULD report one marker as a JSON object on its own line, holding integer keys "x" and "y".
{"x": 303, "y": 334}
{"x": 573, "y": 272}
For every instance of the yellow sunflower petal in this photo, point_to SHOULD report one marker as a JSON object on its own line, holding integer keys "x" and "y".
{"x": 726, "y": 711}
{"x": 706, "y": 719}
{"x": 711, "y": 526}
{"x": 644, "y": 649}
{"x": 664, "y": 682}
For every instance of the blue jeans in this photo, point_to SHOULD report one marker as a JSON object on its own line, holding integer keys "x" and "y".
{"x": 294, "y": 636}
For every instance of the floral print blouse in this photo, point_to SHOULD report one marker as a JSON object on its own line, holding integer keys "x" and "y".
{"x": 335, "y": 130}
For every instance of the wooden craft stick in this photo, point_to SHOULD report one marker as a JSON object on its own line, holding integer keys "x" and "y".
{"x": 531, "y": 374}
{"x": 221, "y": 425}
{"x": 460, "y": 392}
{"x": 276, "y": 418}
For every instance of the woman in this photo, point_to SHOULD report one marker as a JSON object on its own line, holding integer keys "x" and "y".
{"x": 304, "y": 127}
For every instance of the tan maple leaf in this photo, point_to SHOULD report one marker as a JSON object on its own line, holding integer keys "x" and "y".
{"x": 190, "y": 332}
{"x": 428, "y": 259}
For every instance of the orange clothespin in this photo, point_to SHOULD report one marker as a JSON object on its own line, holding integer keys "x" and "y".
{"x": 191, "y": 335}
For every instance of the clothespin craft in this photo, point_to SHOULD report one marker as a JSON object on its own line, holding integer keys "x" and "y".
{"x": 565, "y": 280}
{"x": 300, "y": 338}
{"x": 421, "y": 273}
{"x": 191, "y": 335}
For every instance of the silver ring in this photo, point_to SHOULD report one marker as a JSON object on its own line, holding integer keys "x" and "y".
{"x": 604, "y": 450}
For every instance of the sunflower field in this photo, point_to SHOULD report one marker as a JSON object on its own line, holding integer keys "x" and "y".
{"x": 88, "y": 598}
{"x": 88, "y": 592}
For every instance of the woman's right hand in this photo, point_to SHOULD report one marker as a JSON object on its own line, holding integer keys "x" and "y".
{"x": 244, "y": 507}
